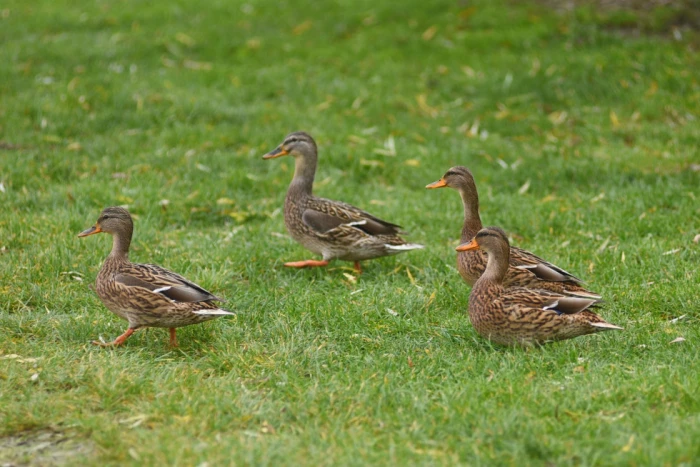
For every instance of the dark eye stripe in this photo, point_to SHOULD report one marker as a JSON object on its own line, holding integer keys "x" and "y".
{"x": 489, "y": 233}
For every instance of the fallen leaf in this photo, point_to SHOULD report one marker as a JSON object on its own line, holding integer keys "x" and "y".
{"x": 653, "y": 87}
{"x": 422, "y": 101}
{"x": 389, "y": 148}
{"x": 357, "y": 139}
{"x": 350, "y": 277}
{"x": 325, "y": 104}
{"x": 671, "y": 252}
{"x": 677, "y": 340}
{"x": 524, "y": 188}
{"x": 184, "y": 39}
{"x": 614, "y": 120}
{"x": 302, "y": 28}
{"x": 392, "y": 312}
{"x": 429, "y": 33}
{"x": 410, "y": 276}
{"x": 193, "y": 65}
{"x": 253, "y": 44}
{"x": 603, "y": 246}
{"x": 696, "y": 239}
{"x": 595, "y": 199}
{"x": 557, "y": 118}
{"x": 371, "y": 163}
{"x": 627, "y": 447}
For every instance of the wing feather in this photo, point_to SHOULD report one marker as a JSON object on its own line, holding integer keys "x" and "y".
{"x": 167, "y": 283}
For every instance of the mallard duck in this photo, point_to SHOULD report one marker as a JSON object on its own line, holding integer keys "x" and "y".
{"x": 332, "y": 229}
{"x": 521, "y": 316}
{"x": 146, "y": 295}
{"x": 526, "y": 269}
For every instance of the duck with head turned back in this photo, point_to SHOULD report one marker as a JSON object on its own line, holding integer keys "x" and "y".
{"x": 332, "y": 229}
{"x": 526, "y": 269}
{"x": 146, "y": 295}
{"x": 521, "y": 316}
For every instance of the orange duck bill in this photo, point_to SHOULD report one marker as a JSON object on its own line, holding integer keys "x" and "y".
{"x": 92, "y": 230}
{"x": 439, "y": 184}
{"x": 468, "y": 246}
{"x": 279, "y": 151}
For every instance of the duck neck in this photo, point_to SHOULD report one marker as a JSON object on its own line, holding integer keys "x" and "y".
{"x": 304, "y": 173}
{"x": 120, "y": 245}
{"x": 497, "y": 264}
{"x": 472, "y": 221}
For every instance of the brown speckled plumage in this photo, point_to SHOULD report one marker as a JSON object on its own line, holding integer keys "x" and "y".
{"x": 526, "y": 269}
{"x": 146, "y": 295}
{"x": 332, "y": 229}
{"x": 520, "y": 316}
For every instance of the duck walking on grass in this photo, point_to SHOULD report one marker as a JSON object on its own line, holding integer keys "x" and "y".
{"x": 146, "y": 295}
{"x": 332, "y": 229}
{"x": 520, "y": 316}
{"x": 526, "y": 269}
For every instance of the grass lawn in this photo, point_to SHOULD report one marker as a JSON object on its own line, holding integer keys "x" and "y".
{"x": 584, "y": 145}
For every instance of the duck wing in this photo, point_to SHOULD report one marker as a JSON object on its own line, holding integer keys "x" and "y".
{"x": 160, "y": 280}
{"x": 323, "y": 215}
{"x": 544, "y": 270}
{"x": 543, "y": 301}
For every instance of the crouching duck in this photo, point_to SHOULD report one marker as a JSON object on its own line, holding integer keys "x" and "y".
{"x": 520, "y": 316}
{"x": 146, "y": 295}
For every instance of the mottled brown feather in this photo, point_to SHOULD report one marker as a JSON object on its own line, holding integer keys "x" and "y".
{"x": 147, "y": 295}
{"x": 526, "y": 269}
{"x": 520, "y": 316}
{"x": 332, "y": 229}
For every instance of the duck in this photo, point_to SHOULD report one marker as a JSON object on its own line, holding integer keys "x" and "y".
{"x": 518, "y": 316}
{"x": 331, "y": 229}
{"x": 526, "y": 269}
{"x": 146, "y": 295}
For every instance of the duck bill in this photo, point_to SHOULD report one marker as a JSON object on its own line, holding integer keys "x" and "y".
{"x": 279, "y": 151}
{"x": 468, "y": 246}
{"x": 439, "y": 184}
{"x": 92, "y": 230}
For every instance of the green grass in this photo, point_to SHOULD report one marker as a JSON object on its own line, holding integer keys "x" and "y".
{"x": 126, "y": 102}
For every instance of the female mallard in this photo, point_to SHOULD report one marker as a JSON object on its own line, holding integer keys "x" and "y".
{"x": 521, "y": 316}
{"x": 332, "y": 229}
{"x": 145, "y": 295}
{"x": 526, "y": 269}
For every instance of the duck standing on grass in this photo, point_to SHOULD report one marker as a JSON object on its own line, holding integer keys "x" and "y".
{"x": 146, "y": 295}
{"x": 520, "y": 316}
{"x": 332, "y": 229}
{"x": 526, "y": 269}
